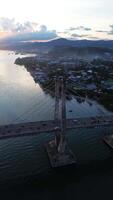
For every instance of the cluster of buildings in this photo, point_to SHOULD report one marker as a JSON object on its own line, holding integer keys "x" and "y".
{"x": 40, "y": 76}
{"x": 95, "y": 74}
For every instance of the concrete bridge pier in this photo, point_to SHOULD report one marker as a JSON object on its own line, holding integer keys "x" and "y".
{"x": 62, "y": 145}
{"x": 58, "y": 150}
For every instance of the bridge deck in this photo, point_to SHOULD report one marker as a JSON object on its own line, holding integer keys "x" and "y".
{"x": 33, "y": 128}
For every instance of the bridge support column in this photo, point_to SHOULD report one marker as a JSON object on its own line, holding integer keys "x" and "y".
{"x": 58, "y": 150}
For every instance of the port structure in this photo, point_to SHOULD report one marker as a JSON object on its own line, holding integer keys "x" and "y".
{"x": 58, "y": 149}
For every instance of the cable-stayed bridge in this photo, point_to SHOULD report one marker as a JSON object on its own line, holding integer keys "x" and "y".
{"x": 58, "y": 149}
{"x": 34, "y": 128}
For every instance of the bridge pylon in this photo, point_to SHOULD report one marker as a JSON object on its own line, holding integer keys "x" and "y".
{"x": 58, "y": 150}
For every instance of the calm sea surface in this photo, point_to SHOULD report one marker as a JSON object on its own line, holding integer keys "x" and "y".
{"x": 21, "y": 100}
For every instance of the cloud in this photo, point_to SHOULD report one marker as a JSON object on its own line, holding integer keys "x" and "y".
{"x": 37, "y": 35}
{"x": 80, "y": 28}
{"x": 93, "y": 37}
{"x": 108, "y": 32}
{"x": 26, "y": 27}
{"x": 74, "y": 35}
{"x": 9, "y": 25}
{"x": 111, "y": 26}
{"x": 25, "y": 31}
{"x": 6, "y": 24}
{"x": 111, "y": 31}
{"x": 87, "y": 29}
{"x": 10, "y": 31}
{"x": 43, "y": 28}
{"x": 83, "y": 36}
{"x": 101, "y": 31}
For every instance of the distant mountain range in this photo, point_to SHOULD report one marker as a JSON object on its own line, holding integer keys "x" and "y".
{"x": 60, "y": 42}
{"x": 88, "y": 52}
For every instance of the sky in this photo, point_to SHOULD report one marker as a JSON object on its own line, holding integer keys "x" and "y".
{"x": 49, "y": 19}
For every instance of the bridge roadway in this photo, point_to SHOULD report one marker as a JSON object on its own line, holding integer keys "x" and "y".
{"x": 34, "y": 128}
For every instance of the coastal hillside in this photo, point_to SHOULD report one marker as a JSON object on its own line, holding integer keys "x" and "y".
{"x": 99, "y": 45}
